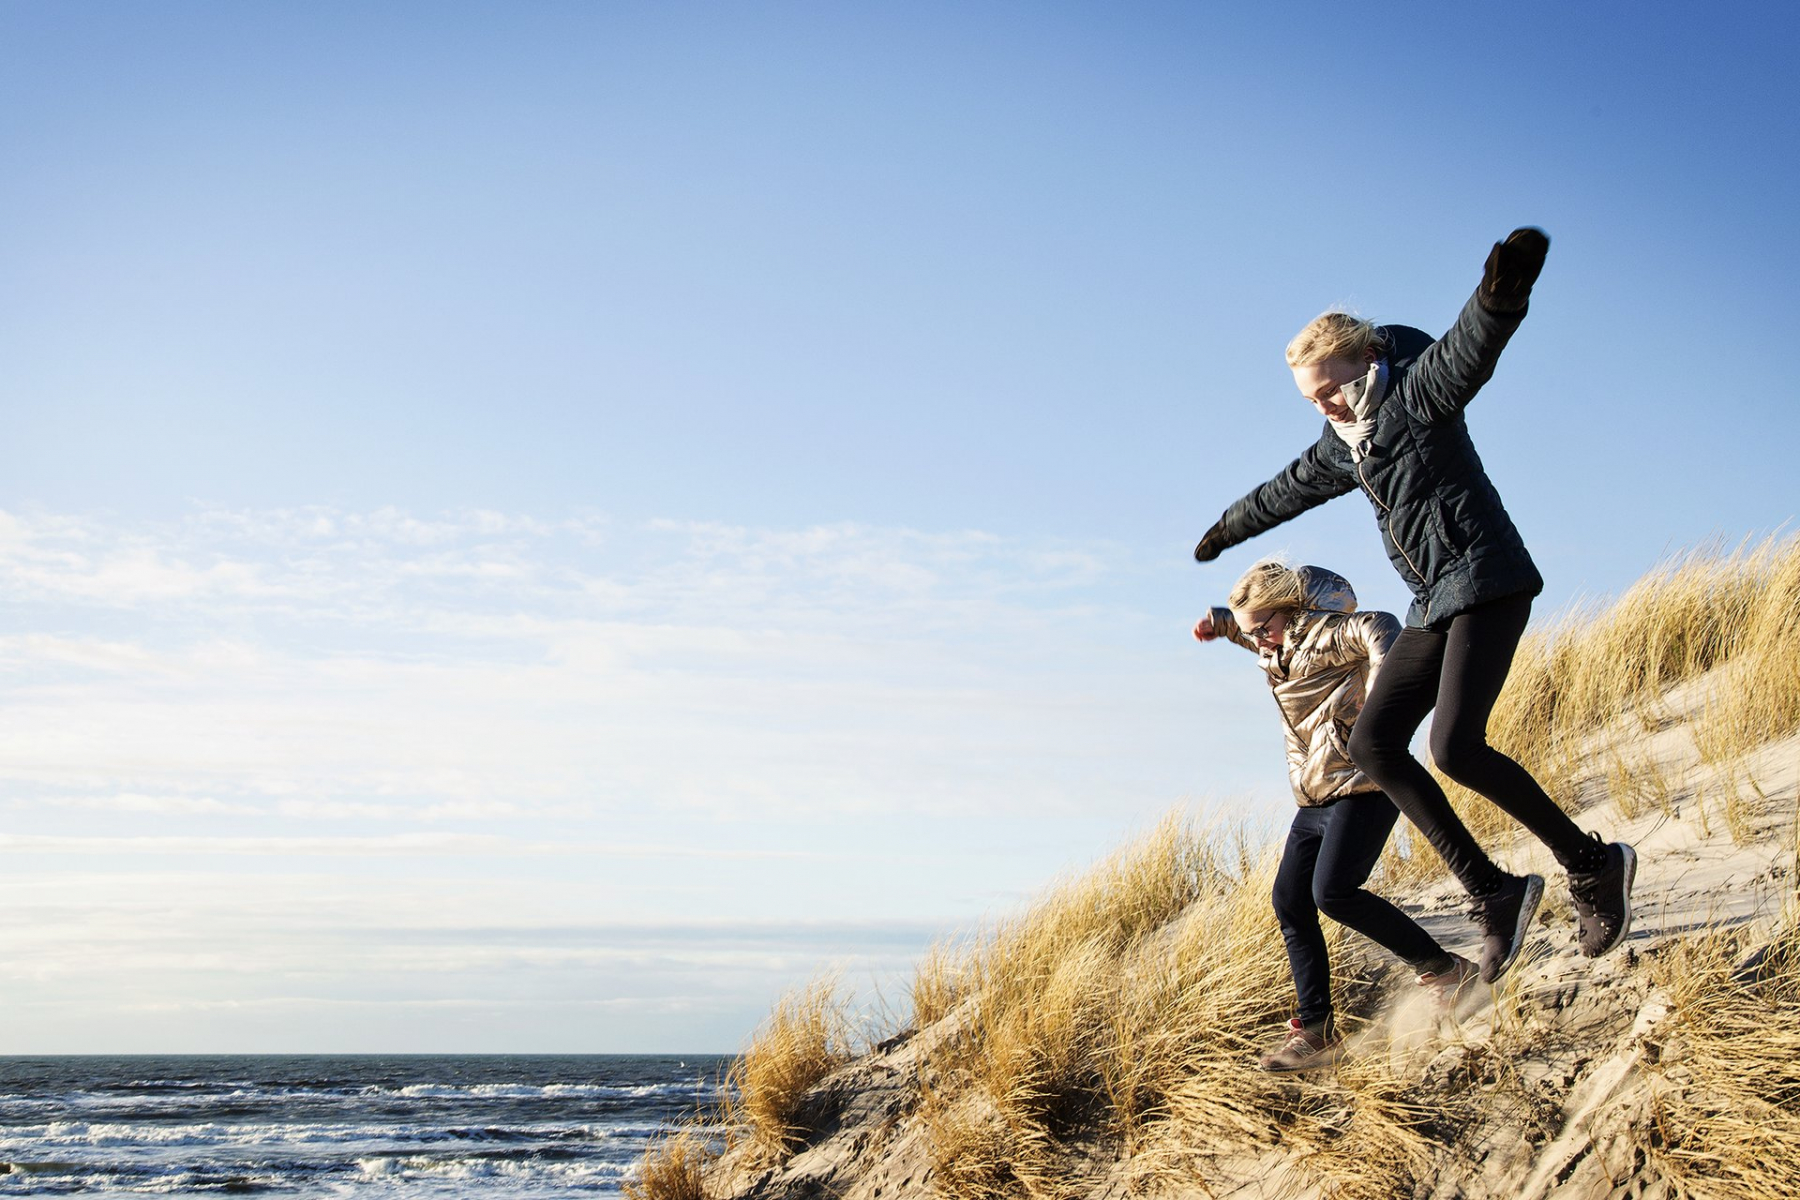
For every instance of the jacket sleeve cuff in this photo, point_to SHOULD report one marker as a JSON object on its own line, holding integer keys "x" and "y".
{"x": 1226, "y": 626}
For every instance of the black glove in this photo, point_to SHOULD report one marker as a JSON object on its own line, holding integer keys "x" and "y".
{"x": 1213, "y": 544}
{"x": 1512, "y": 267}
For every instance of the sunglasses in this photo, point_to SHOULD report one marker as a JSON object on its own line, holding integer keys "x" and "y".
{"x": 1257, "y": 632}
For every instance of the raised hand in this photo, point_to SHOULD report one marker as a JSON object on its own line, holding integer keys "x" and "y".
{"x": 1212, "y": 545}
{"x": 1512, "y": 267}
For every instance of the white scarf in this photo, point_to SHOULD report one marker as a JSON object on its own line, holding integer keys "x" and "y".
{"x": 1364, "y": 396}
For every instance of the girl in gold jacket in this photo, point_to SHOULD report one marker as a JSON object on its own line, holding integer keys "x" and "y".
{"x": 1320, "y": 655}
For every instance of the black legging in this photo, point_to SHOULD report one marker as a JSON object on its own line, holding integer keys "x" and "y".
{"x": 1329, "y": 854}
{"x": 1459, "y": 671}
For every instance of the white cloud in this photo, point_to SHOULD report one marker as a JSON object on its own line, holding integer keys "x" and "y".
{"x": 484, "y": 663}
{"x": 383, "y": 846}
{"x": 134, "y": 802}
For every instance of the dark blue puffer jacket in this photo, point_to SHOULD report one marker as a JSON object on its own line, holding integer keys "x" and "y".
{"x": 1442, "y": 522}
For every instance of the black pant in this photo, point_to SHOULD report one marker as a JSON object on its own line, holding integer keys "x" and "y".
{"x": 1330, "y": 852}
{"x": 1458, "y": 670}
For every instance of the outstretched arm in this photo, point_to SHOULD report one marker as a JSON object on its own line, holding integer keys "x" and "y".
{"x": 1452, "y": 370}
{"x": 1320, "y": 474}
{"x": 1219, "y": 623}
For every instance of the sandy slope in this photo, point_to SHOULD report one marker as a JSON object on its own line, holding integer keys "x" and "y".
{"x": 1592, "y": 1027}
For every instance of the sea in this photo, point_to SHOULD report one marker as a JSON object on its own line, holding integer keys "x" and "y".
{"x": 353, "y": 1126}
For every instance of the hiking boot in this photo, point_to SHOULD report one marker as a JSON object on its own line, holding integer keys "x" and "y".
{"x": 1446, "y": 987}
{"x": 1303, "y": 1051}
{"x": 1603, "y": 900}
{"x": 1505, "y": 918}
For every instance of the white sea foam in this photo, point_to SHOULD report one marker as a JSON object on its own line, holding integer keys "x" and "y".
{"x": 424, "y": 1166}
{"x": 133, "y": 1101}
{"x": 558, "y": 1091}
{"x": 17, "y": 1140}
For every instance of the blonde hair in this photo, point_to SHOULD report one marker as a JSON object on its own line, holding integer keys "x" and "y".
{"x": 1270, "y": 584}
{"x": 1335, "y": 335}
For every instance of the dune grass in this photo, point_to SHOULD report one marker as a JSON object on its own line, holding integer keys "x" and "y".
{"x": 674, "y": 1166}
{"x": 807, "y": 1036}
{"x": 1126, "y": 1010}
{"x": 1727, "y": 1116}
{"x": 1098, "y": 1011}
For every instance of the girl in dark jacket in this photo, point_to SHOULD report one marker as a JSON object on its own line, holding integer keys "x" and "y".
{"x": 1393, "y": 400}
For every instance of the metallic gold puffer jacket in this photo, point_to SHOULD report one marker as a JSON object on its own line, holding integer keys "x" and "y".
{"x": 1320, "y": 677}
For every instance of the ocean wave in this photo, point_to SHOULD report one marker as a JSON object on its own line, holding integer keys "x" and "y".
{"x": 173, "y": 1085}
{"x": 67, "y": 1178}
{"x": 523, "y": 1091}
{"x": 413, "y": 1174}
{"x": 251, "y": 1095}
{"x": 564, "y": 1171}
{"x": 114, "y": 1098}
{"x": 68, "y": 1134}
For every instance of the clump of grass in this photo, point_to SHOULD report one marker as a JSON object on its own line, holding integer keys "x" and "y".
{"x": 1727, "y": 1116}
{"x": 977, "y": 1154}
{"x": 1390, "y": 1122}
{"x": 674, "y": 1167}
{"x": 1637, "y": 783}
{"x": 807, "y": 1036}
{"x": 1622, "y": 784}
{"x": 1759, "y": 696}
{"x": 1122, "y": 1004}
{"x": 939, "y": 982}
{"x": 1065, "y": 1012}
{"x": 1738, "y": 808}
{"x": 1127, "y": 1009}
{"x": 1375, "y": 1140}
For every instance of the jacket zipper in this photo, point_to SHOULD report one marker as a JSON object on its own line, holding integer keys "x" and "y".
{"x": 1388, "y": 520}
{"x": 1294, "y": 731}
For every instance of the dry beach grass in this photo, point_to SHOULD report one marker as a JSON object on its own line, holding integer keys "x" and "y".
{"x": 1100, "y": 1043}
{"x": 1092, "y": 1009}
{"x": 674, "y": 1167}
{"x": 805, "y": 1038}
{"x": 1726, "y": 1120}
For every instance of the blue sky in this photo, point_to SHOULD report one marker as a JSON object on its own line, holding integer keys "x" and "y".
{"x": 534, "y": 526}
